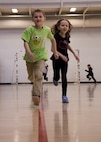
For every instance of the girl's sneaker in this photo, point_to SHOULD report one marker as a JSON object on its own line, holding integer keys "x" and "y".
{"x": 65, "y": 99}
{"x": 55, "y": 82}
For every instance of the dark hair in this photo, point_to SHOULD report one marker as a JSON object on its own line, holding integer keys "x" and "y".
{"x": 37, "y": 10}
{"x": 55, "y": 29}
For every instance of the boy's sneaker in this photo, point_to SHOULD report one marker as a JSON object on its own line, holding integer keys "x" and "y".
{"x": 55, "y": 82}
{"x": 36, "y": 100}
{"x": 65, "y": 99}
{"x": 46, "y": 79}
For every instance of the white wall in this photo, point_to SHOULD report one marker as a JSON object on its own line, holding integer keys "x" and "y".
{"x": 86, "y": 40}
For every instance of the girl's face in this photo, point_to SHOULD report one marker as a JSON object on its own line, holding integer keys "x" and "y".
{"x": 64, "y": 26}
{"x": 38, "y": 19}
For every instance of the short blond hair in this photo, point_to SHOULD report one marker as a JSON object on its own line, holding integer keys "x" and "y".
{"x": 38, "y": 10}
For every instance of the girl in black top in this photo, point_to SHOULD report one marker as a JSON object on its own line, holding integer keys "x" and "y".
{"x": 61, "y": 31}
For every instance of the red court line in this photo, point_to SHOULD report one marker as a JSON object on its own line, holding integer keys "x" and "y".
{"x": 42, "y": 127}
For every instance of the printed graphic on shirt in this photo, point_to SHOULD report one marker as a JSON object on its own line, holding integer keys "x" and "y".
{"x": 63, "y": 44}
{"x": 38, "y": 41}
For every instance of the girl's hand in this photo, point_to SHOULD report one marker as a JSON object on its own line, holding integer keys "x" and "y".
{"x": 64, "y": 58}
{"x": 77, "y": 58}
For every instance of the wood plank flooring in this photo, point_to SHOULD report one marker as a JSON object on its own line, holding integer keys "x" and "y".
{"x": 52, "y": 121}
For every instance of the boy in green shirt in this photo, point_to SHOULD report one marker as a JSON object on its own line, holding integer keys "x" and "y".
{"x": 34, "y": 38}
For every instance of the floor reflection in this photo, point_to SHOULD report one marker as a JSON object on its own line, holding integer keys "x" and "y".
{"x": 57, "y": 128}
{"x": 61, "y": 127}
{"x": 65, "y": 123}
{"x": 91, "y": 89}
{"x": 44, "y": 98}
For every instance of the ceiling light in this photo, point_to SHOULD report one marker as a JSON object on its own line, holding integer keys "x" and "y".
{"x": 14, "y": 10}
{"x": 73, "y": 9}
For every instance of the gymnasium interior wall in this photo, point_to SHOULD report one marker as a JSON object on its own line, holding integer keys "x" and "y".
{"x": 86, "y": 40}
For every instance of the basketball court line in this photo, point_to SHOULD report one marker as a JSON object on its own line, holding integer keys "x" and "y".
{"x": 42, "y": 127}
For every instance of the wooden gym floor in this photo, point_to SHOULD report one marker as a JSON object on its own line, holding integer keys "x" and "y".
{"x": 52, "y": 121}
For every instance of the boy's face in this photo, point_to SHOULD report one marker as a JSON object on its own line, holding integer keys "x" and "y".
{"x": 38, "y": 18}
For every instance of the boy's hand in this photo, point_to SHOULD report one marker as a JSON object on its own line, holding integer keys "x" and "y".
{"x": 31, "y": 55}
{"x": 56, "y": 55}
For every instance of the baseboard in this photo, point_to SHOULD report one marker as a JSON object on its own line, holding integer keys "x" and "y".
{"x": 44, "y": 83}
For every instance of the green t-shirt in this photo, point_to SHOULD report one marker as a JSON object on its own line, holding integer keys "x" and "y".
{"x": 36, "y": 39}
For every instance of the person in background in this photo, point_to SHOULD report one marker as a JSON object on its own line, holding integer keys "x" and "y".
{"x": 34, "y": 38}
{"x": 61, "y": 31}
{"x": 90, "y": 74}
{"x": 45, "y": 71}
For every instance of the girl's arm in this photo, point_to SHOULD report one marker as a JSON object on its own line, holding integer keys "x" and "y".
{"x": 63, "y": 57}
{"x": 71, "y": 50}
{"x": 56, "y": 53}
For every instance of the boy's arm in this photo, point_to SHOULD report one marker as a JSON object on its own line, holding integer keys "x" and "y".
{"x": 53, "y": 48}
{"x": 71, "y": 50}
{"x": 28, "y": 51}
